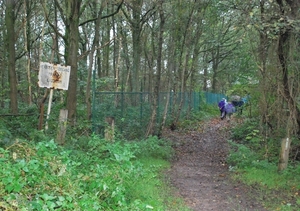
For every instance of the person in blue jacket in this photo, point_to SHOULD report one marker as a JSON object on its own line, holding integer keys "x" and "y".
{"x": 221, "y": 106}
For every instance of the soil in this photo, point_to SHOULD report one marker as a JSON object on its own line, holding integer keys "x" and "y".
{"x": 200, "y": 173}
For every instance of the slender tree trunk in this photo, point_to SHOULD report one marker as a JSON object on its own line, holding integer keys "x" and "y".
{"x": 158, "y": 76}
{"x": 117, "y": 66}
{"x": 215, "y": 65}
{"x": 88, "y": 87}
{"x": 205, "y": 76}
{"x": 125, "y": 74}
{"x": 96, "y": 42}
{"x": 262, "y": 58}
{"x": 106, "y": 48}
{"x": 27, "y": 33}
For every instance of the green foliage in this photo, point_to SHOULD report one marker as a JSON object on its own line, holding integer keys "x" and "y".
{"x": 208, "y": 111}
{"x": 254, "y": 162}
{"x": 105, "y": 176}
{"x": 280, "y": 191}
{"x": 5, "y": 137}
{"x": 154, "y": 147}
{"x": 193, "y": 122}
{"x": 249, "y": 135}
{"x": 240, "y": 132}
{"x": 241, "y": 90}
{"x": 241, "y": 156}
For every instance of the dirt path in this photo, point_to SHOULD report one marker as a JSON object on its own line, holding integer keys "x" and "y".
{"x": 200, "y": 172}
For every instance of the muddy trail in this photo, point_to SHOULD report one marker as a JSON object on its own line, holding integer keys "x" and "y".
{"x": 200, "y": 172}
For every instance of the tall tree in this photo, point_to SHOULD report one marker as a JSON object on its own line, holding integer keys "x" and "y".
{"x": 158, "y": 71}
{"x": 11, "y": 53}
{"x": 139, "y": 15}
{"x": 95, "y": 46}
{"x": 3, "y": 55}
{"x": 289, "y": 14}
{"x": 72, "y": 14}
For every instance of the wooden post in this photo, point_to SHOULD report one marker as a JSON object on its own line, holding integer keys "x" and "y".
{"x": 49, "y": 108}
{"x": 109, "y": 129}
{"x": 41, "y": 117}
{"x": 62, "y": 126}
{"x": 284, "y": 154}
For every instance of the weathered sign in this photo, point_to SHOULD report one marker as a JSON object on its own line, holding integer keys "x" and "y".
{"x": 54, "y": 76}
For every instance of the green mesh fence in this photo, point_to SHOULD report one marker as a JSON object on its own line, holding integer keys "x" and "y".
{"x": 132, "y": 110}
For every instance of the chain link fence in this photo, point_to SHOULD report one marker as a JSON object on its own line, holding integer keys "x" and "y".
{"x": 131, "y": 111}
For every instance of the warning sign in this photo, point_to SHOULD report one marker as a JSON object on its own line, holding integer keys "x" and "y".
{"x": 54, "y": 76}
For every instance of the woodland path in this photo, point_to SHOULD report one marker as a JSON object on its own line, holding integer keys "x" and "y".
{"x": 200, "y": 173}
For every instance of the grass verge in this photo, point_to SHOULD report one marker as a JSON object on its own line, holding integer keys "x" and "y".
{"x": 277, "y": 191}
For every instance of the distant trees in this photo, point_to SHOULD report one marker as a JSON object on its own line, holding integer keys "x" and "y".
{"x": 157, "y": 45}
{"x": 133, "y": 48}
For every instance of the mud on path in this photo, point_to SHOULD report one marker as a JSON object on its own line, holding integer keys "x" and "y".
{"x": 200, "y": 173}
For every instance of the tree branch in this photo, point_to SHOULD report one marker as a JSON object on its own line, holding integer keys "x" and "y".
{"x": 103, "y": 17}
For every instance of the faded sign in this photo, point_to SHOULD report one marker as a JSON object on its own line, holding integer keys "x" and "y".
{"x": 54, "y": 76}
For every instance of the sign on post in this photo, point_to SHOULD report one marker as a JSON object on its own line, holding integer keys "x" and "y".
{"x": 54, "y": 76}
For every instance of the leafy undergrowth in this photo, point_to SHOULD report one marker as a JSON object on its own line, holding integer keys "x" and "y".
{"x": 252, "y": 166}
{"x": 106, "y": 176}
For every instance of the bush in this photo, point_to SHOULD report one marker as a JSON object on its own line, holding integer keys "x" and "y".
{"x": 153, "y": 147}
{"x": 240, "y": 155}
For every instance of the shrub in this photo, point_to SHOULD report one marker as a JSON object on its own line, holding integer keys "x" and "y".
{"x": 241, "y": 156}
{"x": 153, "y": 147}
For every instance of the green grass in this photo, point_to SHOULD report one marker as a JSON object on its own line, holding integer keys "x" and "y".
{"x": 276, "y": 190}
{"x": 111, "y": 176}
{"x": 153, "y": 189}
{"x": 253, "y": 161}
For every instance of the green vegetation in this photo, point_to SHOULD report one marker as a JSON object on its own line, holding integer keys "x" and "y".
{"x": 254, "y": 162}
{"x": 90, "y": 173}
{"x": 105, "y": 176}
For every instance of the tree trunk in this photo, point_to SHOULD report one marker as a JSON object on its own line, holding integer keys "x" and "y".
{"x": 215, "y": 65}
{"x": 106, "y": 48}
{"x": 158, "y": 76}
{"x": 136, "y": 44}
{"x": 10, "y": 24}
{"x": 263, "y": 85}
{"x": 96, "y": 42}
{"x": 27, "y": 33}
{"x": 71, "y": 53}
{"x": 284, "y": 43}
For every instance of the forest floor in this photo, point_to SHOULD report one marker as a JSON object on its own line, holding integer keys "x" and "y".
{"x": 200, "y": 173}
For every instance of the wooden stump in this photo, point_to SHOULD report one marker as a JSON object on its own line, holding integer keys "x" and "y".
{"x": 284, "y": 154}
{"x": 109, "y": 128}
{"x": 62, "y": 127}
